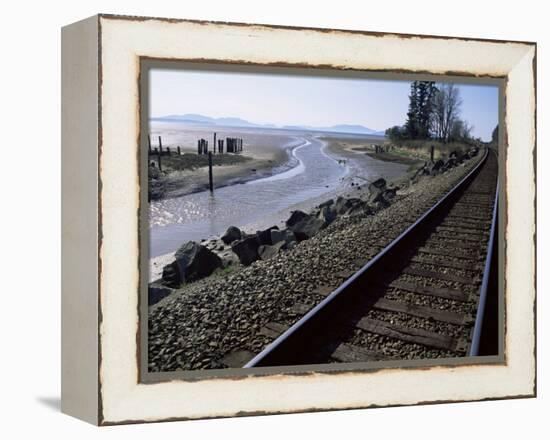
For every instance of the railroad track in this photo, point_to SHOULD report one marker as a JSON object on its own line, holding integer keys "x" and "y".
{"x": 431, "y": 293}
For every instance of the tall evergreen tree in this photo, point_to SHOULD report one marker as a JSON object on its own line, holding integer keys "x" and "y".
{"x": 411, "y": 125}
{"x": 419, "y": 115}
{"x": 425, "y": 101}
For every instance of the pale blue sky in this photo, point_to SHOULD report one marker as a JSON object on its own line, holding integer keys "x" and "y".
{"x": 303, "y": 100}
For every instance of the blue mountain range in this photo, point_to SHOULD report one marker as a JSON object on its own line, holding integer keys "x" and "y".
{"x": 192, "y": 118}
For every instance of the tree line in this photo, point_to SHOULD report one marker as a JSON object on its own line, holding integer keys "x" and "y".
{"x": 433, "y": 113}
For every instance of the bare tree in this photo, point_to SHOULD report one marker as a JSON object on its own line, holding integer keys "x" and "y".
{"x": 446, "y": 108}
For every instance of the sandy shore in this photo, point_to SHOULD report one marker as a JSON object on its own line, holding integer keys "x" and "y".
{"x": 354, "y": 184}
{"x": 361, "y": 149}
{"x": 263, "y": 157}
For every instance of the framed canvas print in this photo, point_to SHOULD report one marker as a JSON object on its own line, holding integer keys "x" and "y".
{"x": 262, "y": 219}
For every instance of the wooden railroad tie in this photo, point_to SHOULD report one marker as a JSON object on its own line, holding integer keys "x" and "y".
{"x": 455, "y": 295}
{"x": 438, "y": 275}
{"x": 442, "y": 234}
{"x": 447, "y": 253}
{"x": 463, "y": 230}
{"x": 273, "y": 330}
{"x": 468, "y": 245}
{"x": 423, "y": 312}
{"x": 444, "y": 263}
{"x": 352, "y": 353}
{"x": 465, "y": 217}
{"x": 237, "y": 359}
{"x": 411, "y": 335}
{"x": 477, "y": 227}
{"x": 300, "y": 308}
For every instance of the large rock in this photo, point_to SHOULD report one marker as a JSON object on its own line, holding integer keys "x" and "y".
{"x": 438, "y": 164}
{"x": 265, "y": 236}
{"x": 376, "y": 191}
{"x": 228, "y": 257}
{"x": 232, "y": 234}
{"x": 379, "y": 183}
{"x": 449, "y": 163}
{"x": 327, "y": 214}
{"x": 171, "y": 276}
{"x": 285, "y": 236}
{"x": 342, "y": 205}
{"x": 389, "y": 193}
{"x": 307, "y": 227}
{"x": 158, "y": 292}
{"x": 361, "y": 208}
{"x": 269, "y": 251}
{"x": 193, "y": 262}
{"x": 376, "y": 195}
{"x": 296, "y": 217}
{"x": 327, "y": 203}
{"x": 247, "y": 249}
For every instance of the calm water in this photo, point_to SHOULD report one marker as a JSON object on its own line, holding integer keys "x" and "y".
{"x": 201, "y": 215}
{"x": 261, "y": 202}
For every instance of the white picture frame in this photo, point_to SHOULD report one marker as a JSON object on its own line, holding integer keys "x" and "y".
{"x": 101, "y": 380}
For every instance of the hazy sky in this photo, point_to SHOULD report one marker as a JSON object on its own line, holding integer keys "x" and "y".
{"x": 303, "y": 100}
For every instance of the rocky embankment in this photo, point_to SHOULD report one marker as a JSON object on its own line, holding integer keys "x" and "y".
{"x": 216, "y": 296}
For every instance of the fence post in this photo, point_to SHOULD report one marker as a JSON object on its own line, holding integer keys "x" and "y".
{"x": 159, "y": 153}
{"x": 210, "y": 171}
{"x": 149, "y": 142}
{"x": 214, "y": 144}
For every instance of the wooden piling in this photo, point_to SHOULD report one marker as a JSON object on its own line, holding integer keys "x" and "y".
{"x": 159, "y": 154}
{"x": 214, "y": 144}
{"x": 179, "y": 150}
{"x": 149, "y": 143}
{"x": 210, "y": 180}
{"x": 432, "y": 153}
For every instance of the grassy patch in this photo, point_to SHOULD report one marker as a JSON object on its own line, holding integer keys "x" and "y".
{"x": 190, "y": 161}
{"x": 421, "y": 148}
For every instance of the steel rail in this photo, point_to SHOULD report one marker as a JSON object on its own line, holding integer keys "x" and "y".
{"x": 266, "y": 356}
{"x": 487, "y": 273}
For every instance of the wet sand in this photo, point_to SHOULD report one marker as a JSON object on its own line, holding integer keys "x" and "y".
{"x": 360, "y": 149}
{"x": 268, "y": 152}
{"x": 362, "y": 169}
{"x": 261, "y": 164}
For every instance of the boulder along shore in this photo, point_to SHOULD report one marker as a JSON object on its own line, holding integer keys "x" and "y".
{"x": 213, "y": 301}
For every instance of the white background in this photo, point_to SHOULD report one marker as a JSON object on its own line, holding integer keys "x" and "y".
{"x": 30, "y": 216}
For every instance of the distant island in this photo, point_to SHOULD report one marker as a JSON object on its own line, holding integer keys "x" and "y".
{"x": 191, "y": 118}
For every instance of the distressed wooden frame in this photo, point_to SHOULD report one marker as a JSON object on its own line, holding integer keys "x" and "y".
{"x": 101, "y": 197}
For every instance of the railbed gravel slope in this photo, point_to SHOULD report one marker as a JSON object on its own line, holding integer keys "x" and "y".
{"x": 198, "y": 325}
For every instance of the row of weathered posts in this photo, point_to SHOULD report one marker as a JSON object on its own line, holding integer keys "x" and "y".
{"x": 234, "y": 145}
{"x": 159, "y": 151}
{"x": 380, "y": 149}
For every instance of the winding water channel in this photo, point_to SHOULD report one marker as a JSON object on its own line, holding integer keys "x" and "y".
{"x": 201, "y": 215}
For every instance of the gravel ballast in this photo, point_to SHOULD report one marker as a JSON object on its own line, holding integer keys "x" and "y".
{"x": 199, "y": 324}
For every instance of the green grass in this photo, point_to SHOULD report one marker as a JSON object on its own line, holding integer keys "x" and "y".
{"x": 421, "y": 148}
{"x": 191, "y": 161}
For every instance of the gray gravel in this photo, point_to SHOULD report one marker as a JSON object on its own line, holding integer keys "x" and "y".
{"x": 196, "y": 326}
